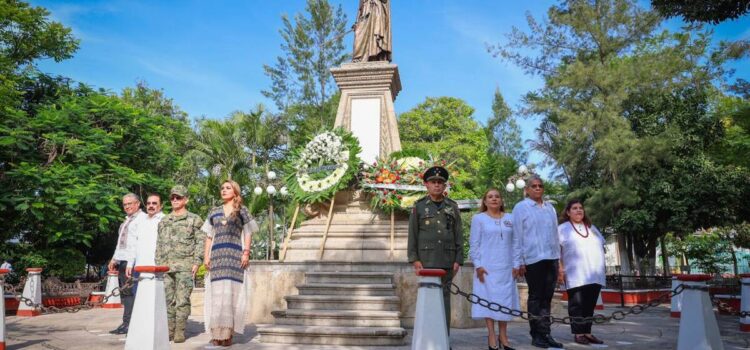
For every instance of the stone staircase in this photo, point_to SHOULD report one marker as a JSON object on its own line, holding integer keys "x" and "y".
{"x": 339, "y": 308}
{"x": 356, "y": 233}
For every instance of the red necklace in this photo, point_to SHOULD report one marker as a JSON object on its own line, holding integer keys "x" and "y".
{"x": 584, "y": 226}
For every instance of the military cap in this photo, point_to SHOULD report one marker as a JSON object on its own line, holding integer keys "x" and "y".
{"x": 436, "y": 172}
{"x": 179, "y": 190}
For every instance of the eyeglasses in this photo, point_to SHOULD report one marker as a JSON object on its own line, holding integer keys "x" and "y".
{"x": 176, "y": 198}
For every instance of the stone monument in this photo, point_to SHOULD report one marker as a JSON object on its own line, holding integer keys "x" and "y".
{"x": 343, "y": 276}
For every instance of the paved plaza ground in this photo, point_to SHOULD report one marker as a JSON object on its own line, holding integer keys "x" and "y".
{"x": 653, "y": 329}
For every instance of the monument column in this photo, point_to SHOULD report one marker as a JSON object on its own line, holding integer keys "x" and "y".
{"x": 368, "y": 90}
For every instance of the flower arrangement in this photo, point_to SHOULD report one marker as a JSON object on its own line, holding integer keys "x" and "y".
{"x": 324, "y": 166}
{"x": 396, "y": 184}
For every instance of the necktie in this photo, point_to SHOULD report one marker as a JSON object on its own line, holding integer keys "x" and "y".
{"x": 124, "y": 232}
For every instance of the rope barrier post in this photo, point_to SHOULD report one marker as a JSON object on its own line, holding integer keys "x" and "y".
{"x": 745, "y": 303}
{"x": 148, "y": 328}
{"x": 3, "y": 272}
{"x": 676, "y": 300}
{"x": 698, "y": 327}
{"x": 113, "y": 283}
{"x": 32, "y": 291}
{"x": 430, "y": 330}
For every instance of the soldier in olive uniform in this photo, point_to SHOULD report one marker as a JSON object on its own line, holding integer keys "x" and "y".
{"x": 180, "y": 247}
{"x": 435, "y": 234}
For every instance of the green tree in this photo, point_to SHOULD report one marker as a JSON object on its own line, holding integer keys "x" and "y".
{"x": 714, "y": 11}
{"x": 301, "y": 85}
{"x": 624, "y": 105}
{"x": 503, "y": 131}
{"x": 444, "y": 128}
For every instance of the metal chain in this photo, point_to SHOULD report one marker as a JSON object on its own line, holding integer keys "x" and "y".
{"x": 129, "y": 283}
{"x": 728, "y": 309}
{"x": 597, "y": 319}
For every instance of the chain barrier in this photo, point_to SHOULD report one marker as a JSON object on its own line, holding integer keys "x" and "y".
{"x": 596, "y": 319}
{"x": 129, "y": 283}
{"x": 728, "y": 309}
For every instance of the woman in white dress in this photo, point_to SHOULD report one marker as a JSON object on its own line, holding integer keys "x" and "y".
{"x": 491, "y": 251}
{"x": 581, "y": 267}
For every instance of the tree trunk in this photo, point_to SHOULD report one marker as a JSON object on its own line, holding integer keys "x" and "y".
{"x": 664, "y": 256}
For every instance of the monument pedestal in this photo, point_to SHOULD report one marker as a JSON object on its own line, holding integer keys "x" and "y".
{"x": 356, "y": 233}
{"x": 368, "y": 90}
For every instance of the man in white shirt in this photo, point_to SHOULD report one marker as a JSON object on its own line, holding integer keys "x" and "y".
{"x": 145, "y": 236}
{"x": 124, "y": 250}
{"x": 535, "y": 232}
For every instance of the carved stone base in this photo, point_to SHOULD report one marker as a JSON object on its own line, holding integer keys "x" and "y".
{"x": 368, "y": 90}
{"x": 356, "y": 233}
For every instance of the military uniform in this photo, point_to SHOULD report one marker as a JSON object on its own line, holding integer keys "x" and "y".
{"x": 436, "y": 238}
{"x": 179, "y": 246}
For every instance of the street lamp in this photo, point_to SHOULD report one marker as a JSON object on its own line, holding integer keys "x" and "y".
{"x": 271, "y": 191}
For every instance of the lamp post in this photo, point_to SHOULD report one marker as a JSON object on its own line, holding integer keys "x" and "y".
{"x": 271, "y": 191}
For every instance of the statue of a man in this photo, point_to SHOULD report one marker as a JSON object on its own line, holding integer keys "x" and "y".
{"x": 372, "y": 31}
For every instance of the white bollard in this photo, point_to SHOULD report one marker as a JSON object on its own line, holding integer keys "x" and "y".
{"x": 745, "y": 303}
{"x": 599, "y": 302}
{"x": 698, "y": 327}
{"x": 676, "y": 300}
{"x": 148, "y": 327}
{"x": 32, "y": 290}
{"x": 3, "y": 272}
{"x": 113, "y": 282}
{"x": 430, "y": 330}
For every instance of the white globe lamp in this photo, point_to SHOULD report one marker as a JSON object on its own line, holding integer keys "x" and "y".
{"x": 258, "y": 191}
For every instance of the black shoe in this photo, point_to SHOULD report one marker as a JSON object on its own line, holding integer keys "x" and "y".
{"x": 552, "y": 342}
{"x": 119, "y": 329}
{"x": 540, "y": 342}
{"x": 506, "y": 347}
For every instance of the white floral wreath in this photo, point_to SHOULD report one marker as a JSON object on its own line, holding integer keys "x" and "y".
{"x": 324, "y": 148}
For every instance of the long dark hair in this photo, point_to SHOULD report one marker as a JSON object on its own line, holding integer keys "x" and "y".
{"x": 564, "y": 217}
{"x": 483, "y": 207}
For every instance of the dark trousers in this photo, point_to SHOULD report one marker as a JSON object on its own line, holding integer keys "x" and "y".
{"x": 445, "y": 280}
{"x": 541, "y": 277}
{"x": 581, "y": 303}
{"x": 127, "y": 295}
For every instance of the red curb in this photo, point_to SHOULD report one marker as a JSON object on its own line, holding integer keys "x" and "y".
{"x": 2, "y": 345}
{"x": 744, "y": 275}
{"x": 151, "y": 269}
{"x": 431, "y": 272}
{"x": 675, "y": 314}
{"x": 744, "y": 327}
{"x": 694, "y": 278}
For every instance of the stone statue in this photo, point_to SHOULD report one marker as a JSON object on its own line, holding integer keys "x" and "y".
{"x": 372, "y": 31}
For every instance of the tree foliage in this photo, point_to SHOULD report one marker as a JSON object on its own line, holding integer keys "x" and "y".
{"x": 628, "y": 118}
{"x": 444, "y": 127}
{"x": 714, "y": 11}
{"x": 301, "y": 84}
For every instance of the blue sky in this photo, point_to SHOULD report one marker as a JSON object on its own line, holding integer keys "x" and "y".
{"x": 208, "y": 55}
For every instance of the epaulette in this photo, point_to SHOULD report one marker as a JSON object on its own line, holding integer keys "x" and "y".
{"x": 423, "y": 199}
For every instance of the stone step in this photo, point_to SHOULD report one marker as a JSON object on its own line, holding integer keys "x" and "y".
{"x": 371, "y": 255}
{"x": 364, "y": 226}
{"x": 333, "y": 242}
{"x": 386, "y": 289}
{"x": 338, "y": 318}
{"x": 349, "y": 277}
{"x": 351, "y": 234}
{"x": 354, "y": 219}
{"x": 343, "y": 302}
{"x": 371, "y": 336}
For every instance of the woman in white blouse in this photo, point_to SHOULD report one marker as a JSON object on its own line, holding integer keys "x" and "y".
{"x": 581, "y": 267}
{"x": 491, "y": 251}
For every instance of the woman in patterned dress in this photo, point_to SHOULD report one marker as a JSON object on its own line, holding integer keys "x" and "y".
{"x": 229, "y": 230}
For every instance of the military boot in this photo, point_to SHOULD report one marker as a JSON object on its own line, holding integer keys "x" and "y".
{"x": 179, "y": 332}
{"x": 170, "y": 326}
